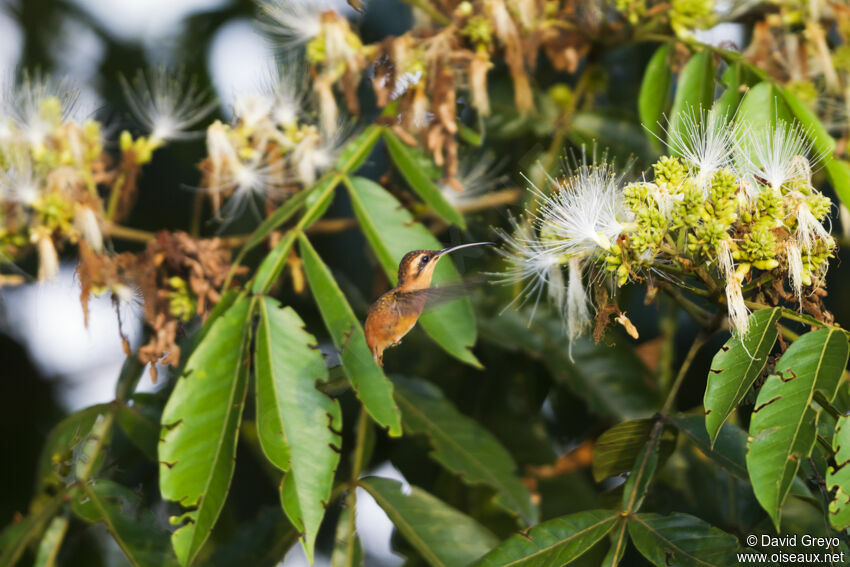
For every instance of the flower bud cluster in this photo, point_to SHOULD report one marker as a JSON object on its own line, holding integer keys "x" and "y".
{"x": 749, "y": 212}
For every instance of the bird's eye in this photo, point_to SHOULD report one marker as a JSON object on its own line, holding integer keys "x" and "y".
{"x": 424, "y": 260}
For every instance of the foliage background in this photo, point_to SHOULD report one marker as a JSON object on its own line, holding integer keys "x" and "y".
{"x": 545, "y": 409}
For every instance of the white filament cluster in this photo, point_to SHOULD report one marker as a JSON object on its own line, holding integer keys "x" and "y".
{"x": 586, "y": 213}
{"x": 777, "y": 155}
{"x": 706, "y": 140}
{"x": 167, "y": 103}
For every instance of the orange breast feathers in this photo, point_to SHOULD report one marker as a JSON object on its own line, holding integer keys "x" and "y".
{"x": 390, "y": 318}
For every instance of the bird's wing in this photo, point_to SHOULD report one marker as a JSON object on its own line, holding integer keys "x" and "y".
{"x": 434, "y": 297}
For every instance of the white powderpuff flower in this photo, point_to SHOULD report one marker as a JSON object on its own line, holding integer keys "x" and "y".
{"x": 315, "y": 153}
{"x": 252, "y": 109}
{"x": 777, "y": 155}
{"x": 294, "y": 22}
{"x": 247, "y": 182}
{"x": 705, "y": 140}
{"x": 219, "y": 147}
{"x": 578, "y": 310}
{"x": 531, "y": 264}
{"x": 809, "y": 230}
{"x": 241, "y": 180}
{"x": 586, "y": 214}
{"x": 48, "y": 259}
{"x": 794, "y": 258}
{"x": 167, "y": 104}
{"x": 36, "y": 105}
{"x": 20, "y": 183}
{"x": 86, "y": 222}
{"x": 477, "y": 174}
{"x": 287, "y": 87}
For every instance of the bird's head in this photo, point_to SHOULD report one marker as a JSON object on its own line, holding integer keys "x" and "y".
{"x": 417, "y": 267}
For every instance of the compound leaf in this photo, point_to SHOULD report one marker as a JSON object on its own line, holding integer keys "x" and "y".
{"x": 298, "y": 426}
{"x": 200, "y": 426}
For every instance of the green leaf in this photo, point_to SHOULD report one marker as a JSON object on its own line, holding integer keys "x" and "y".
{"x": 405, "y": 159}
{"x": 272, "y": 264}
{"x": 357, "y": 150}
{"x": 51, "y": 542}
{"x": 783, "y": 426}
{"x": 347, "y": 551}
{"x": 140, "y": 425}
{"x": 298, "y": 426}
{"x": 90, "y": 454}
{"x": 611, "y": 379}
{"x": 736, "y": 79}
{"x": 619, "y": 542}
{"x": 694, "y": 89}
{"x": 681, "y": 540}
{"x": 133, "y": 528}
{"x": 131, "y": 373}
{"x": 554, "y": 542}
{"x": 392, "y": 233}
{"x": 654, "y": 90}
{"x": 56, "y": 464}
{"x": 729, "y": 449}
{"x": 643, "y": 470}
{"x": 823, "y": 143}
{"x": 200, "y": 423}
{"x": 318, "y": 203}
{"x": 838, "y": 172}
{"x": 763, "y": 106}
{"x": 616, "y": 450}
{"x": 443, "y": 536}
{"x": 367, "y": 378}
{"x": 462, "y": 446}
{"x": 289, "y": 502}
{"x": 469, "y": 135}
{"x": 736, "y": 366}
{"x": 838, "y": 476}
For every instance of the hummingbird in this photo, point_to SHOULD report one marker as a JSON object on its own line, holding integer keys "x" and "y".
{"x": 393, "y": 314}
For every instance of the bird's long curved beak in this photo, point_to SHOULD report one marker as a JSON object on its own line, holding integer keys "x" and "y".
{"x": 451, "y": 249}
